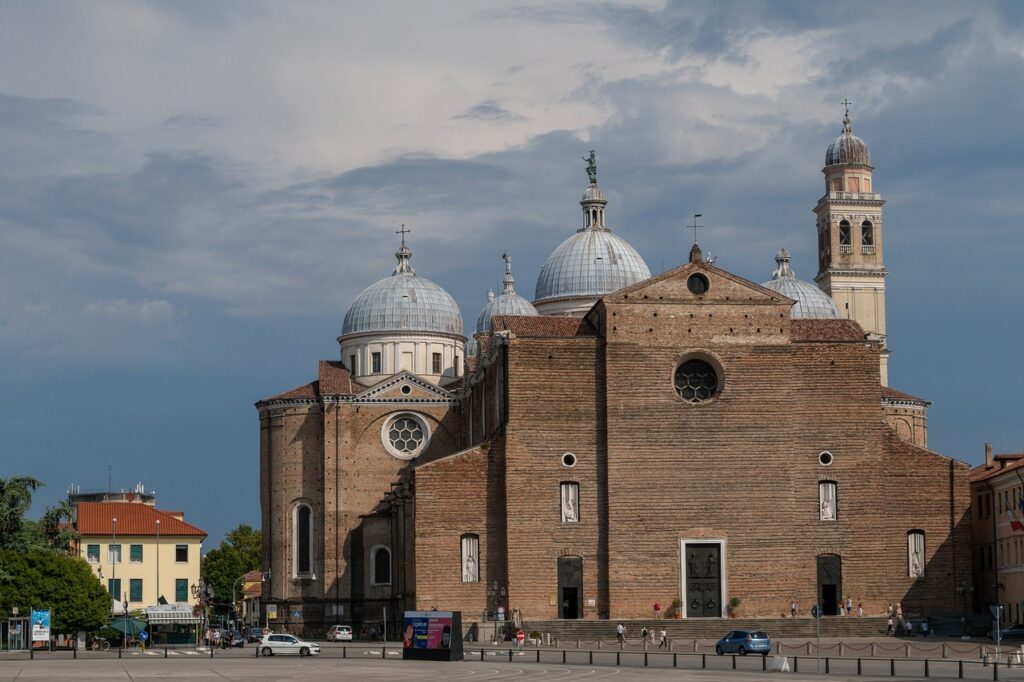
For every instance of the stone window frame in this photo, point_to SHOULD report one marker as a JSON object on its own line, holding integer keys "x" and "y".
{"x": 568, "y": 494}
{"x": 385, "y": 437}
{"x": 469, "y": 546}
{"x": 296, "y": 563}
{"x": 716, "y": 365}
{"x": 916, "y": 544}
{"x": 823, "y": 488}
{"x": 826, "y": 454}
{"x": 374, "y": 577}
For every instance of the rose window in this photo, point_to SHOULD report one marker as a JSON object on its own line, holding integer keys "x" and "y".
{"x": 696, "y": 381}
{"x": 405, "y": 436}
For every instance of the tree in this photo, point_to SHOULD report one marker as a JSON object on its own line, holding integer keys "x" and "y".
{"x": 240, "y": 552}
{"x": 44, "y": 578}
{"x": 24, "y": 535}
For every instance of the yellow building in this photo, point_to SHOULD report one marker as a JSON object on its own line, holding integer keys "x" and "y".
{"x": 140, "y": 553}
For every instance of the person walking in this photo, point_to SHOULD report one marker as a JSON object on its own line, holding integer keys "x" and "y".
{"x": 663, "y": 643}
{"x": 657, "y": 610}
{"x": 860, "y": 608}
{"x": 643, "y": 636}
{"x": 620, "y": 634}
{"x": 849, "y": 606}
{"x": 888, "y": 626}
{"x": 842, "y": 611}
{"x": 792, "y": 609}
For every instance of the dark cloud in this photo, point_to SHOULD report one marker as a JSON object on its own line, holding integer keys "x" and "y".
{"x": 186, "y": 121}
{"x": 489, "y": 111}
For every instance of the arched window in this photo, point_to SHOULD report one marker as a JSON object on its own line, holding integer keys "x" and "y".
{"x": 470, "y": 558}
{"x": 828, "y": 509}
{"x": 303, "y": 543}
{"x": 844, "y": 234}
{"x": 915, "y": 553}
{"x": 593, "y": 217}
{"x": 867, "y": 234}
{"x": 381, "y": 563}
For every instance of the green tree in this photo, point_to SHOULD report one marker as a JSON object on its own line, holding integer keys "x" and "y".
{"x": 43, "y": 578}
{"x": 240, "y": 552}
{"x": 24, "y": 535}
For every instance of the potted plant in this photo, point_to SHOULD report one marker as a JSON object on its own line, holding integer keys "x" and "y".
{"x": 677, "y": 608}
{"x": 734, "y": 607}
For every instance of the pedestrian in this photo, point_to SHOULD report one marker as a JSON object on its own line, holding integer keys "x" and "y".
{"x": 620, "y": 634}
{"x": 373, "y": 633}
{"x": 664, "y": 639}
{"x": 842, "y": 611}
{"x": 889, "y": 610}
{"x": 924, "y": 627}
{"x": 657, "y": 610}
{"x": 888, "y": 626}
{"x": 899, "y": 611}
{"x": 908, "y": 628}
{"x": 643, "y": 636}
{"x": 849, "y": 606}
{"x": 860, "y": 608}
{"x": 792, "y": 609}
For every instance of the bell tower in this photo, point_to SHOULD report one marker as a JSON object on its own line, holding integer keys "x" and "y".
{"x": 849, "y": 221}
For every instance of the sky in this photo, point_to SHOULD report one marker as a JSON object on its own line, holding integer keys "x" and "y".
{"x": 192, "y": 194}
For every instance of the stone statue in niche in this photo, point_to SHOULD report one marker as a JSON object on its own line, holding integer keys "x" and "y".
{"x": 469, "y": 574}
{"x": 828, "y": 510}
{"x": 570, "y": 505}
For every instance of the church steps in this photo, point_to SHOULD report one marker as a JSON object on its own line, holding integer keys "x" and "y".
{"x": 709, "y": 628}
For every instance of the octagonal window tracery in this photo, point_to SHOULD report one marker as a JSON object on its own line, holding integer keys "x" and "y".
{"x": 696, "y": 381}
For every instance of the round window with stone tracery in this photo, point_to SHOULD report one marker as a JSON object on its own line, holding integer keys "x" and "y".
{"x": 696, "y": 381}
{"x": 405, "y": 435}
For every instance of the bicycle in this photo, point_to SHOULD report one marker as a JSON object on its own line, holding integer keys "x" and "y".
{"x": 100, "y": 644}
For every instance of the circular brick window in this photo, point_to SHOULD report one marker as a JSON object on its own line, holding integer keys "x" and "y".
{"x": 406, "y": 390}
{"x": 569, "y": 459}
{"x": 697, "y": 284}
{"x": 825, "y": 459}
{"x": 405, "y": 435}
{"x": 696, "y": 381}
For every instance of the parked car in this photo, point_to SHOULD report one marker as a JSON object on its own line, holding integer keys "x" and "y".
{"x": 237, "y": 640}
{"x": 272, "y": 644}
{"x": 255, "y": 634}
{"x": 339, "y": 633}
{"x": 1015, "y": 631}
{"x": 743, "y": 642}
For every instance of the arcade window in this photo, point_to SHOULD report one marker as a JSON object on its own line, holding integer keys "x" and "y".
{"x": 696, "y": 381}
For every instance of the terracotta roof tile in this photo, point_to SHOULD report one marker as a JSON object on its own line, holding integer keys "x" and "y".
{"x": 543, "y": 325}
{"x": 893, "y": 394}
{"x": 307, "y": 391}
{"x": 334, "y": 378}
{"x": 827, "y": 330}
{"x": 133, "y": 518}
{"x": 1001, "y": 464}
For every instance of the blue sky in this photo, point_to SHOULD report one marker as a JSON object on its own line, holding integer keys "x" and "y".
{"x": 191, "y": 194}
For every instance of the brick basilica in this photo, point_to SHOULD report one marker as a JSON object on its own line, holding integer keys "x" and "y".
{"x": 691, "y": 438}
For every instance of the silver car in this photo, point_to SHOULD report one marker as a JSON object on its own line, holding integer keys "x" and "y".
{"x": 271, "y": 645}
{"x": 743, "y": 642}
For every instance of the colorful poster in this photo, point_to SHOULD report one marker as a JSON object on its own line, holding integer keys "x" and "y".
{"x": 41, "y": 625}
{"x": 427, "y": 630}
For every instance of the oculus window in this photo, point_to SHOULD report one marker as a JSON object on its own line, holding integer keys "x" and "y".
{"x": 405, "y": 435}
{"x": 470, "y": 558}
{"x": 697, "y": 284}
{"x": 696, "y": 381}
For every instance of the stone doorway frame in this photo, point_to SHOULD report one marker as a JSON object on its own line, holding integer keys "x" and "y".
{"x": 722, "y": 557}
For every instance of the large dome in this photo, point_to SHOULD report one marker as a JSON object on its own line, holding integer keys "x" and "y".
{"x": 811, "y": 302}
{"x": 847, "y": 148}
{"x": 509, "y": 303}
{"x": 403, "y": 302}
{"x": 592, "y": 262}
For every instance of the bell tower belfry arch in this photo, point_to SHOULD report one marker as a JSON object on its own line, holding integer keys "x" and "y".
{"x": 850, "y": 238}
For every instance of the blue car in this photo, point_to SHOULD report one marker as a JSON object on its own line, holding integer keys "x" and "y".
{"x": 743, "y": 642}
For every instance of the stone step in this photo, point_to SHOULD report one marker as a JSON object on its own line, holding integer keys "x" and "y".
{"x": 711, "y": 628}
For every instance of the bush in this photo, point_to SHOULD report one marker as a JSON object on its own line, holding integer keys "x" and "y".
{"x": 535, "y": 634}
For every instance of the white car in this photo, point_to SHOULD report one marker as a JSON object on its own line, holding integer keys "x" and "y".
{"x": 339, "y": 633}
{"x": 272, "y": 644}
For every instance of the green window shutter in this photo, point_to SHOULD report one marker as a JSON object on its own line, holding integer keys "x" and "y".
{"x": 93, "y": 552}
{"x": 114, "y": 586}
{"x": 135, "y": 589}
{"x": 181, "y": 590}
{"x": 136, "y": 553}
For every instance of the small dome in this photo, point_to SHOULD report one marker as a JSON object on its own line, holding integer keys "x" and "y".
{"x": 508, "y": 303}
{"x": 592, "y": 262}
{"x": 472, "y": 348}
{"x": 847, "y": 149}
{"x": 811, "y": 302}
{"x": 403, "y": 302}
{"x": 593, "y": 193}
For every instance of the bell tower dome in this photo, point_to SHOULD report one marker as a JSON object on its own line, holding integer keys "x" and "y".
{"x": 849, "y": 221}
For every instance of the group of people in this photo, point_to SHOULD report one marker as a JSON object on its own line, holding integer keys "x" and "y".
{"x": 843, "y": 608}
{"x": 646, "y": 636}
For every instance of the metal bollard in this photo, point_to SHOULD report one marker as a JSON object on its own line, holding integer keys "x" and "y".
{"x": 796, "y": 664}
{"x": 945, "y": 650}
{"x": 926, "y": 667}
{"x": 892, "y": 667}
{"x": 74, "y": 651}
{"x": 694, "y": 646}
{"x": 826, "y": 665}
{"x": 119, "y": 649}
{"x": 618, "y": 655}
{"x": 591, "y": 658}
{"x": 481, "y": 653}
{"x": 645, "y": 659}
{"x": 675, "y": 660}
{"x": 211, "y": 651}
{"x": 577, "y": 643}
{"x": 764, "y": 663}
{"x": 509, "y": 655}
{"x": 563, "y": 656}
{"x": 858, "y": 666}
{"x": 960, "y": 671}
{"x": 344, "y": 652}
{"x": 734, "y": 661}
{"x": 538, "y": 655}
{"x": 703, "y": 661}
{"x": 995, "y": 670}
{"x": 841, "y": 649}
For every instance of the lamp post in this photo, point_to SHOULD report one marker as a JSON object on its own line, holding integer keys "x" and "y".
{"x": 202, "y": 593}
{"x": 113, "y": 566}
{"x": 158, "y": 561}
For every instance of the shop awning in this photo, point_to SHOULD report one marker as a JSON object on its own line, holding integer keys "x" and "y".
{"x": 171, "y": 614}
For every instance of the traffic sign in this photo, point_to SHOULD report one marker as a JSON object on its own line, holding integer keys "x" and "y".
{"x": 815, "y": 611}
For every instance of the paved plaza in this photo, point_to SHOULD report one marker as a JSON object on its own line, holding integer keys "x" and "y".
{"x": 369, "y": 662}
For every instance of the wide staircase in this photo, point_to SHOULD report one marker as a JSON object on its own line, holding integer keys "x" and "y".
{"x": 589, "y": 631}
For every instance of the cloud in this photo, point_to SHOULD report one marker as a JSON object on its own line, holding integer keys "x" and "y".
{"x": 186, "y": 121}
{"x": 148, "y": 313}
{"x": 489, "y": 111}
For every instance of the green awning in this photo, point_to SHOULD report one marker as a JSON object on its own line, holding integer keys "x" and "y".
{"x": 129, "y": 626}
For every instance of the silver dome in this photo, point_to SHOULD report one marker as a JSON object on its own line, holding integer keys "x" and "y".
{"x": 509, "y": 303}
{"x": 811, "y": 302}
{"x": 847, "y": 148}
{"x": 403, "y": 302}
{"x": 592, "y": 262}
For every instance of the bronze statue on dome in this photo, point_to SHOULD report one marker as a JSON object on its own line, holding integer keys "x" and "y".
{"x": 591, "y": 167}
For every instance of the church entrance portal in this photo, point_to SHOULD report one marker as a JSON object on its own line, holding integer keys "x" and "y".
{"x": 830, "y": 583}
{"x": 703, "y": 580}
{"x": 570, "y": 587}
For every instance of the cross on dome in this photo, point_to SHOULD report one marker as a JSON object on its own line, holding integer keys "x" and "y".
{"x": 404, "y": 255}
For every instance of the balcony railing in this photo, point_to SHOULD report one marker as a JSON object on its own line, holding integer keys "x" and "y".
{"x": 861, "y": 196}
{"x": 867, "y": 249}
{"x": 845, "y": 248}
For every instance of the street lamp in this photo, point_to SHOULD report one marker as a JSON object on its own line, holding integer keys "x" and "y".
{"x": 234, "y": 601}
{"x": 110, "y": 555}
{"x": 158, "y": 560}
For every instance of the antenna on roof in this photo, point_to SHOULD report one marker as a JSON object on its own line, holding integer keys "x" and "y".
{"x": 695, "y": 225}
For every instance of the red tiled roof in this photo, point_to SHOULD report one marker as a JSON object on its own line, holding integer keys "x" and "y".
{"x": 334, "y": 378}
{"x": 893, "y": 394}
{"x": 827, "y": 330}
{"x": 96, "y": 518}
{"x": 1000, "y": 464}
{"x": 306, "y": 392}
{"x": 543, "y": 325}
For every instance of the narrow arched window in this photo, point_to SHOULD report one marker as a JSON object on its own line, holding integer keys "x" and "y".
{"x": 915, "y": 553}
{"x": 844, "y": 233}
{"x": 303, "y": 549}
{"x": 470, "y": 558}
{"x": 381, "y": 566}
{"x": 827, "y": 507}
{"x": 867, "y": 233}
